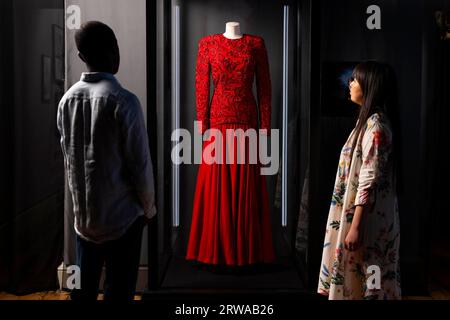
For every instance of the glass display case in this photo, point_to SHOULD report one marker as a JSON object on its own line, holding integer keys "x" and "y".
{"x": 284, "y": 27}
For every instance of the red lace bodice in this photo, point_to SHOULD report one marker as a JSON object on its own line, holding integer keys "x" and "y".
{"x": 234, "y": 63}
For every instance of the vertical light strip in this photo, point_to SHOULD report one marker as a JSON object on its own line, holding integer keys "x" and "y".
{"x": 176, "y": 117}
{"x": 285, "y": 115}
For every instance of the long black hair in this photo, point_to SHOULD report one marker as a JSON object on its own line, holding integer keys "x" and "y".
{"x": 379, "y": 88}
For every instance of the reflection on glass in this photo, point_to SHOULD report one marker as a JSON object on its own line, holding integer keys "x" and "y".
{"x": 284, "y": 166}
{"x": 176, "y": 114}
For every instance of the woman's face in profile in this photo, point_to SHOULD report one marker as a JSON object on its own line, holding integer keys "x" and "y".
{"x": 356, "y": 94}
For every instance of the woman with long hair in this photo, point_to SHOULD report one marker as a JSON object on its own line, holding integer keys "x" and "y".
{"x": 361, "y": 249}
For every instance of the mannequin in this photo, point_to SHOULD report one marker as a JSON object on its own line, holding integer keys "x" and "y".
{"x": 232, "y": 30}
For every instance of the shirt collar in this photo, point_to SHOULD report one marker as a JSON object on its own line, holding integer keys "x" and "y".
{"x": 97, "y": 76}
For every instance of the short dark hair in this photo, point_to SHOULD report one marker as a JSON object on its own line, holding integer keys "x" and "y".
{"x": 96, "y": 41}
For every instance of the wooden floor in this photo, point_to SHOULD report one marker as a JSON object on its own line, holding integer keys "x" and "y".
{"x": 436, "y": 294}
{"x": 49, "y": 295}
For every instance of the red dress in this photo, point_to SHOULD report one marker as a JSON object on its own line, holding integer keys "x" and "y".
{"x": 230, "y": 221}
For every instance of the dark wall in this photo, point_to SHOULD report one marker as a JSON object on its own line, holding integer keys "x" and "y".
{"x": 344, "y": 37}
{"x": 6, "y": 146}
{"x": 434, "y": 172}
{"x": 33, "y": 217}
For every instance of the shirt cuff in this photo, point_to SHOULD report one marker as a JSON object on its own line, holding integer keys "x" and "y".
{"x": 364, "y": 197}
{"x": 150, "y": 213}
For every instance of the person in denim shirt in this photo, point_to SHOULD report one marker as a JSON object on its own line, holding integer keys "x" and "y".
{"x": 108, "y": 168}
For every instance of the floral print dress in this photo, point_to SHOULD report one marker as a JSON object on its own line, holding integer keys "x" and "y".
{"x": 366, "y": 179}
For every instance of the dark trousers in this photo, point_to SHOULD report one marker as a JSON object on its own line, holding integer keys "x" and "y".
{"x": 121, "y": 260}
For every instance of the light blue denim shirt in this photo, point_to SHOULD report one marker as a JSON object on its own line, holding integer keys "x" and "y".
{"x": 107, "y": 158}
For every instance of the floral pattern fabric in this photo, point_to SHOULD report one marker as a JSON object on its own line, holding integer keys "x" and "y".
{"x": 367, "y": 179}
{"x": 233, "y": 64}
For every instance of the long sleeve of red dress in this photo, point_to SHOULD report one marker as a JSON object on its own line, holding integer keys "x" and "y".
{"x": 263, "y": 86}
{"x": 202, "y": 84}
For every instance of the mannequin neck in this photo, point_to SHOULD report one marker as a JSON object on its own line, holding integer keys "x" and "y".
{"x": 232, "y": 30}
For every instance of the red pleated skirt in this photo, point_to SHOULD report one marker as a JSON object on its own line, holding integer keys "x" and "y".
{"x": 230, "y": 220}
